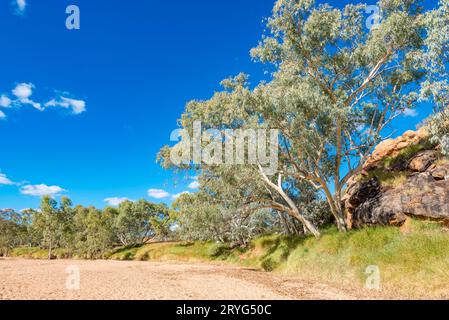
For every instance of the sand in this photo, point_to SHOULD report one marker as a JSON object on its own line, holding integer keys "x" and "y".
{"x": 131, "y": 280}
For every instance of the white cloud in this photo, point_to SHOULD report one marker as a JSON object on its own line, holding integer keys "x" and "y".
{"x": 5, "y": 102}
{"x": 194, "y": 185}
{"x": 22, "y": 96}
{"x": 77, "y": 106}
{"x": 23, "y": 92}
{"x": 115, "y": 201}
{"x": 410, "y": 113}
{"x": 361, "y": 127}
{"x": 2, "y": 115}
{"x": 34, "y": 104}
{"x": 21, "y": 6}
{"x": 4, "y": 180}
{"x": 176, "y": 196}
{"x": 158, "y": 193}
{"x": 41, "y": 190}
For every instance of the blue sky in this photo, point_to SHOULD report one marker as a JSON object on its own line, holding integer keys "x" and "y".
{"x": 89, "y": 109}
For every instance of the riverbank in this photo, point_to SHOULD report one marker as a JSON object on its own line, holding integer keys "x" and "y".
{"x": 411, "y": 262}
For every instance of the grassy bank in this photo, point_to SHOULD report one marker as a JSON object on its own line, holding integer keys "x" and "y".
{"x": 412, "y": 263}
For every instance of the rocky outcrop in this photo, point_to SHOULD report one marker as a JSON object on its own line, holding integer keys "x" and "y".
{"x": 413, "y": 182}
{"x": 393, "y": 147}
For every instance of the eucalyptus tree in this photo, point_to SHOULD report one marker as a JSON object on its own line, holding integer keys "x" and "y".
{"x": 13, "y": 230}
{"x": 248, "y": 208}
{"x": 137, "y": 223}
{"x": 223, "y": 210}
{"x": 52, "y": 226}
{"x": 46, "y": 220}
{"x": 437, "y": 85}
{"x": 198, "y": 220}
{"x": 235, "y": 185}
{"x": 93, "y": 231}
{"x": 337, "y": 85}
{"x": 66, "y": 226}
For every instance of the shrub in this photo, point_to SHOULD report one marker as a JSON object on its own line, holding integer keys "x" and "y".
{"x": 269, "y": 264}
{"x": 218, "y": 250}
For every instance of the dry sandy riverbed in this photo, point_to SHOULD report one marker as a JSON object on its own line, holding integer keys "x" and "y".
{"x": 37, "y": 279}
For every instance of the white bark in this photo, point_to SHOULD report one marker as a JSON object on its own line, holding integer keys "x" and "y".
{"x": 294, "y": 209}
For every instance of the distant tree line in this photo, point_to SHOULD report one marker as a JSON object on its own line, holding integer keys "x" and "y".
{"x": 91, "y": 233}
{"x": 85, "y": 232}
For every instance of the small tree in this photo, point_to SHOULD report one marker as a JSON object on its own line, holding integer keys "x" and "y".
{"x": 66, "y": 227}
{"x": 46, "y": 220}
{"x": 13, "y": 231}
{"x": 137, "y": 223}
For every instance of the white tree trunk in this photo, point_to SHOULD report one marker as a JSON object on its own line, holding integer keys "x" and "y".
{"x": 295, "y": 211}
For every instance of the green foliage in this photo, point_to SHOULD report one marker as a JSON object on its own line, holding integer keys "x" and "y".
{"x": 439, "y": 129}
{"x": 93, "y": 231}
{"x": 11, "y": 235}
{"x": 201, "y": 217}
{"x": 62, "y": 231}
{"x": 139, "y": 222}
{"x": 269, "y": 264}
{"x": 46, "y": 220}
